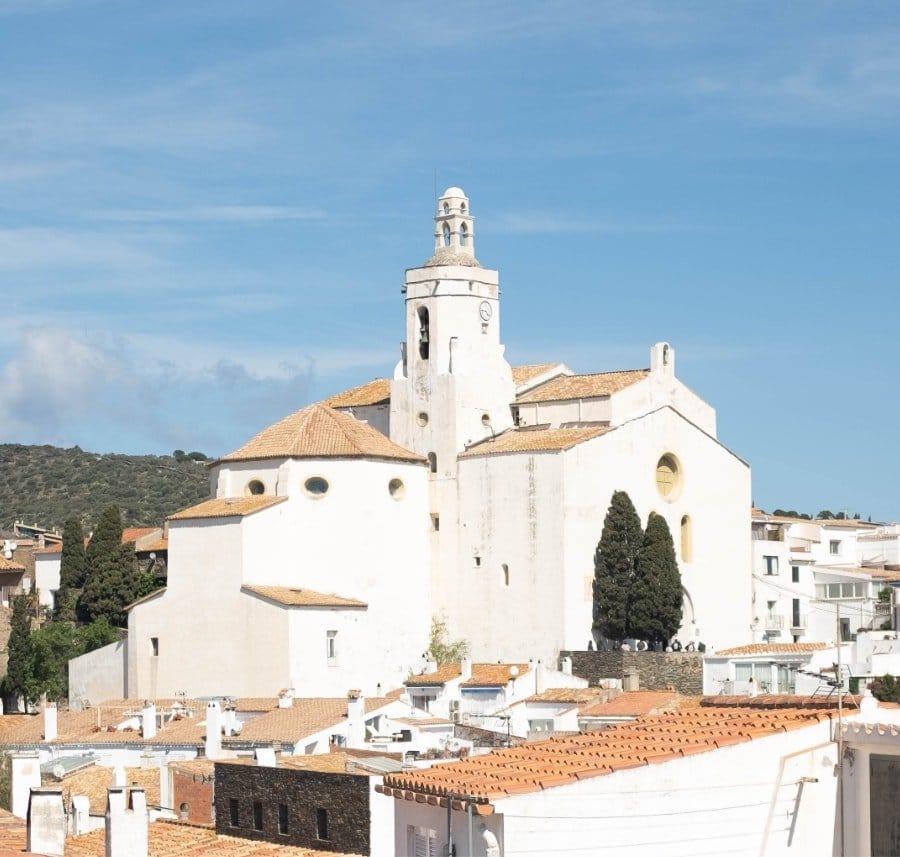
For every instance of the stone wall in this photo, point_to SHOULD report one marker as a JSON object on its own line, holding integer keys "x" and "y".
{"x": 343, "y": 797}
{"x": 682, "y": 671}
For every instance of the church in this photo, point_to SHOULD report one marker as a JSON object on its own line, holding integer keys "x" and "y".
{"x": 461, "y": 487}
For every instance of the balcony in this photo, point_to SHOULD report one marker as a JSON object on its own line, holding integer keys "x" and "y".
{"x": 882, "y": 608}
{"x": 773, "y": 623}
{"x": 799, "y": 622}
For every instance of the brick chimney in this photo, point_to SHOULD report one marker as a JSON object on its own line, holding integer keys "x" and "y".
{"x": 46, "y": 822}
{"x": 126, "y": 823}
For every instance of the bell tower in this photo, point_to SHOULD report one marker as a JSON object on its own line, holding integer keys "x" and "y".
{"x": 452, "y": 386}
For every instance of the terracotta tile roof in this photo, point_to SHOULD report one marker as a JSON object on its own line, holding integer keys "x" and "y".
{"x": 12, "y": 834}
{"x": 375, "y": 392}
{"x": 772, "y": 649}
{"x": 256, "y": 703}
{"x": 195, "y": 767}
{"x": 635, "y": 703}
{"x": 573, "y": 695}
{"x": 567, "y": 387}
{"x": 132, "y": 534}
{"x": 493, "y": 675}
{"x": 320, "y": 432}
{"x": 10, "y": 565}
{"x": 523, "y": 374}
{"x": 158, "y": 545}
{"x": 302, "y": 597}
{"x": 171, "y": 839}
{"x": 535, "y": 440}
{"x": 94, "y": 781}
{"x": 851, "y": 523}
{"x": 445, "y": 673}
{"x": 227, "y": 507}
{"x": 305, "y": 717}
{"x": 567, "y": 759}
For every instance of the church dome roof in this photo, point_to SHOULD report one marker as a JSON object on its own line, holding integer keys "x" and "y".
{"x": 452, "y": 256}
{"x": 318, "y": 431}
{"x": 453, "y": 191}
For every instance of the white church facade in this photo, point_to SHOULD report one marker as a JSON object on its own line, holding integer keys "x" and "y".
{"x": 461, "y": 487}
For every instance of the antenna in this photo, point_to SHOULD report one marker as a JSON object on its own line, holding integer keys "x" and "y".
{"x": 435, "y": 188}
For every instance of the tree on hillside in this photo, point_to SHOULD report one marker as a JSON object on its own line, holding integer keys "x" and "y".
{"x": 15, "y": 683}
{"x": 614, "y": 566}
{"x": 656, "y": 595}
{"x": 71, "y": 569}
{"x": 111, "y": 581}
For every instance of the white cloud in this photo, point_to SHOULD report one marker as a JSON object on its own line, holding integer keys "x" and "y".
{"x": 550, "y": 223}
{"x": 32, "y": 247}
{"x": 212, "y": 213}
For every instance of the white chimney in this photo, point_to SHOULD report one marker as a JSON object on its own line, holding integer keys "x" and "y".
{"x": 356, "y": 719}
{"x": 50, "y": 721}
{"x": 81, "y": 814}
{"x": 46, "y": 822}
{"x": 230, "y": 724}
{"x": 430, "y": 664}
{"x": 264, "y": 757}
{"x": 539, "y": 680}
{"x": 25, "y": 774}
{"x": 213, "y": 730}
{"x": 118, "y": 777}
{"x": 868, "y": 707}
{"x": 465, "y": 668}
{"x": 148, "y": 720}
{"x": 165, "y": 787}
{"x": 565, "y": 665}
{"x": 126, "y": 823}
{"x": 286, "y": 698}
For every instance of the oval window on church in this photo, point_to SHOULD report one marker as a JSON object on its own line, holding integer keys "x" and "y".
{"x": 668, "y": 476}
{"x": 316, "y": 486}
{"x": 255, "y": 486}
{"x": 396, "y": 489}
{"x": 422, "y": 419}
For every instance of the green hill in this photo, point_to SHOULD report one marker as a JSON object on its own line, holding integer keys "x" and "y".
{"x": 46, "y": 484}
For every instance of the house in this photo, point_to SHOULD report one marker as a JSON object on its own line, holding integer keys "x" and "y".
{"x": 730, "y": 775}
{"x": 460, "y": 486}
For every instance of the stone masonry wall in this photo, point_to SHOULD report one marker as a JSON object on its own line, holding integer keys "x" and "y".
{"x": 344, "y": 797}
{"x": 682, "y": 671}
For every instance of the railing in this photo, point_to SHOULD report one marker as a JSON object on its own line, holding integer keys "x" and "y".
{"x": 800, "y": 621}
{"x": 882, "y": 608}
{"x": 774, "y": 623}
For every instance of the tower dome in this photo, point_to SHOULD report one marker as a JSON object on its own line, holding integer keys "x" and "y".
{"x": 454, "y": 231}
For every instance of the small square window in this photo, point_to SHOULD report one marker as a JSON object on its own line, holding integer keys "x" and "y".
{"x": 331, "y": 647}
{"x": 154, "y": 647}
{"x": 477, "y": 561}
{"x": 834, "y": 547}
{"x": 435, "y": 522}
{"x": 771, "y": 565}
{"x": 795, "y": 574}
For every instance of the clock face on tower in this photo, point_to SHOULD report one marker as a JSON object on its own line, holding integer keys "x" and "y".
{"x": 485, "y": 310}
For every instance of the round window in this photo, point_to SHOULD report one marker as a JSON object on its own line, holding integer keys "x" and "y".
{"x": 668, "y": 476}
{"x": 422, "y": 419}
{"x": 485, "y": 419}
{"x": 396, "y": 488}
{"x": 316, "y": 486}
{"x": 254, "y": 486}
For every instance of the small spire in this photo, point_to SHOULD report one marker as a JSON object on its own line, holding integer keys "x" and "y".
{"x": 454, "y": 231}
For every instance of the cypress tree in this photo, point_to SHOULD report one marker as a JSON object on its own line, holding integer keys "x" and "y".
{"x": 18, "y": 666}
{"x": 656, "y": 602}
{"x": 614, "y": 565}
{"x": 111, "y": 581}
{"x": 71, "y": 569}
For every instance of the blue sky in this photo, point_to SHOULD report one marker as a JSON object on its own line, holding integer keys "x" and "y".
{"x": 206, "y": 209}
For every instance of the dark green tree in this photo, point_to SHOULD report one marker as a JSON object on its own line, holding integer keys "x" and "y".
{"x": 18, "y": 667}
{"x": 614, "y": 565}
{"x": 656, "y": 595}
{"x": 52, "y": 647}
{"x": 71, "y": 569}
{"x": 111, "y": 582}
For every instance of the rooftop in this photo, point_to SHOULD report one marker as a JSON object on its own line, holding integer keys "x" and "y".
{"x": 10, "y": 565}
{"x": 637, "y": 703}
{"x": 566, "y": 387}
{"x": 649, "y": 740}
{"x": 94, "y": 781}
{"x": 302, "y": 597}
{"x": 319, "y": 431}
{"x": 773, "y": 649}
{"x": 375, "y": 392}
{"x": 227, "y": 507}
{"x": 524, "y": 374}
{"x": 483, "y": 675}
{"x": 535, "y": 439}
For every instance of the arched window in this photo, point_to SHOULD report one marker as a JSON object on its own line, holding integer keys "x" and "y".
{"x": 183, "y": 812}
{"x": 446, "y": 235}
{"x": 432, "y": 462}
{"x": 463, "y": 235}
{"x": 424, "y": 333}
{"x": 687, "y": 540}
{"x": 446, "y": 208}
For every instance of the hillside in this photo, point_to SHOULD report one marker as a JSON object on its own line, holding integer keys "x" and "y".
{"x": 46, "y": 485}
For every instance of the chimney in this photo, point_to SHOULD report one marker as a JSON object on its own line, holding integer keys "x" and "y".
{"x": 165, "y": 787}
{"x": 264, "y": 757}
{"x": 230, "y": 725}
{"x": 81, "y": 814}
{"x": 662, "y": 359}
{"x": 286, "y": 698}
{"x": 118, "y": 777}
{"x": 50, "y": 721}
{"x": 46, "y": 822}
{"x": 565, "y": 665}
{"x": 465, "y": 668}
{"x": 126, "y": 823}
{"x": 25, "y": 774}
{"x": 148, "y": 720}
{"x": 213, "y": 730}
{"x": 539, "y": 679}
{"x": 430, "y": 664}
{"x": 868, "y": 707}
{"x": 356, "y": 719}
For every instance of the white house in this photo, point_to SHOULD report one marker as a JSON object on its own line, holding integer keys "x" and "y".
{"x": 462, "y": 486}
